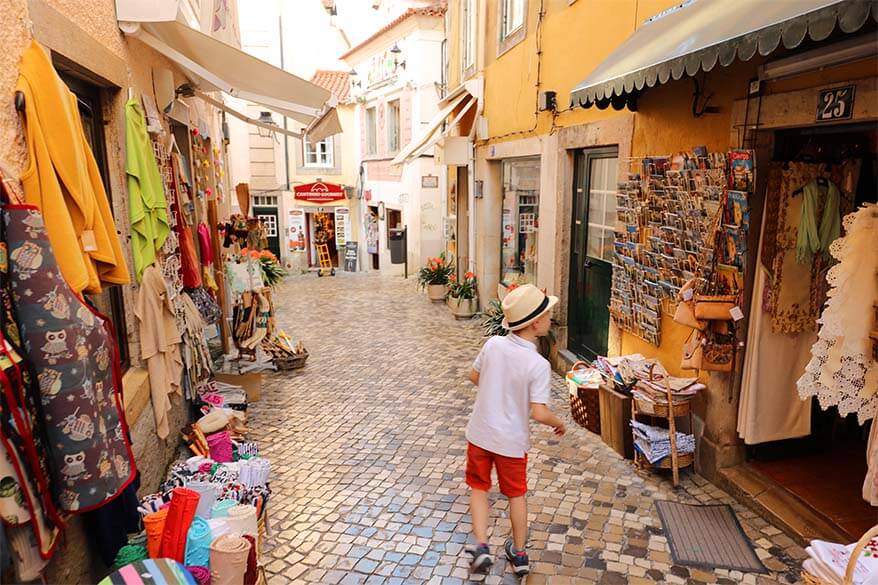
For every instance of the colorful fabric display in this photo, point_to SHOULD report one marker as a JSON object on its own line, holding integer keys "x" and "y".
{"x": 198, "y": 543}
{"x": 184, "y": 502}
{"x": 242, "y": 519}
{"x": 150, "y": 572}
{"x": 221, "y": 508}
{"x": 254, "y": 472}
{"x": 250, "y": 575}
{"x": 219, "y": 526}
{"x": 220, "y": 445}
{"x": 228, "y": 560}
{"x": 155, "y": 527}
{"x": 207, "y": 496}
{"x": 655, "y": 443}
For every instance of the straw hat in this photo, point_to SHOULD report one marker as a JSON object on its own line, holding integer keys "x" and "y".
{"x": 524, "y": 305}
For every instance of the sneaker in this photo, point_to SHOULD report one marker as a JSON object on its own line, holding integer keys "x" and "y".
{"x": 519, "y": 560}
{"x": 481, "y": 558}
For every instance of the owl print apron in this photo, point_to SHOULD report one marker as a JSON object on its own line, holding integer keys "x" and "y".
{"x": 74, "y": 356}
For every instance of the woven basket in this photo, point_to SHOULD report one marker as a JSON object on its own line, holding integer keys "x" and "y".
{"x": 285, "y": 361}
{"x": 810, "y": 579}
{"x": 585, "y": 404}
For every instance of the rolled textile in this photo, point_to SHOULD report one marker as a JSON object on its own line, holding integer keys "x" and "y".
{"x": 221, "y": 508}
{"x": 228, "y": 560}
{"x": 129, "y": 554}
{"x": 243, "y": 519}
{"x": 207, "y": 497}
{"x": 219, "y": 526}
{"x": 198, "y": 543}
{"x": 151, "y": 571}
{"x": 155, "y": 527}
{"x": 213, "y": 421}
{"x": 250, "y": 574}
{"x": 220, "y": 447}
{"x": 184, "y": 502}
{"x": 201, "y": 574}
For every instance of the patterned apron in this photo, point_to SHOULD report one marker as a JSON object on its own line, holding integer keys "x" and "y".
{"x": 72, "y": 350}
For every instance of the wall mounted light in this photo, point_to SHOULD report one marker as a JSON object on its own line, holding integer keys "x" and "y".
{"x": 265, "y": 118}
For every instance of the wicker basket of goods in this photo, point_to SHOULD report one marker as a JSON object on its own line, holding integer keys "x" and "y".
{"x": 585, "y": 405}
{"x": 284, "y": 354}
{"x": 818, "y": 572}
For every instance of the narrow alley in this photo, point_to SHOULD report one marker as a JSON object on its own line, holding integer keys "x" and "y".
{"x": 371, "y": 452}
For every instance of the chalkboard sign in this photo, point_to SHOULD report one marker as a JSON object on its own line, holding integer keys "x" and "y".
{"x": 350, "y": 256}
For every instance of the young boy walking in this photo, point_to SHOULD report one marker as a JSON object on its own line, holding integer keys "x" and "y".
{"x": 513, "y": 382}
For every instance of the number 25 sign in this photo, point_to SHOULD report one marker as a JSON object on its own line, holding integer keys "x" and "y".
{"x": 836, "y": 103}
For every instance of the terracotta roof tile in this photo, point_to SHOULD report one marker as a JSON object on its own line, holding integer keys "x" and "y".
{"x": 437, "y": 9}
{"x": 336, "y": 82}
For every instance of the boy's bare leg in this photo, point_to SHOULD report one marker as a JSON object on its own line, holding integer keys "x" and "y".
{"x": 518, "y": 516}
{"x": 478, "y": 508}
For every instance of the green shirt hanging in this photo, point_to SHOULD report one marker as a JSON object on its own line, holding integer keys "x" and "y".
{"x": 811, "y": 237}
{"x": 146, "y": 191}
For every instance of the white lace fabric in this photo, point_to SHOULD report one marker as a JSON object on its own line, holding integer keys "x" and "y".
{"x": 842, "y": 371}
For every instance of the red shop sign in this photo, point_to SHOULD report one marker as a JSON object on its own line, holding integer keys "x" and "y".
{"x": 319, "y": 192}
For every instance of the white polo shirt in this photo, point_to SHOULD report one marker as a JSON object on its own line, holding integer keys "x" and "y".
{"x": 512, "y": 374}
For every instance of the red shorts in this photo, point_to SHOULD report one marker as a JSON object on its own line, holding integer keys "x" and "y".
{"x": 511, "y": 471}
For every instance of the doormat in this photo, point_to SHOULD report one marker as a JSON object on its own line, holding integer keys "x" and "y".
{"x": 707, "y": 537}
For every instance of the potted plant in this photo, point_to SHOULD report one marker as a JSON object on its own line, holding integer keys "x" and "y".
{"x": 434, "y": 277}
{"x": 462, "y": 296}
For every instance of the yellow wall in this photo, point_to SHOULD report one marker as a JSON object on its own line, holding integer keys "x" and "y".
{"x": 350, "y": 144}
{"x": 574, "y": 39}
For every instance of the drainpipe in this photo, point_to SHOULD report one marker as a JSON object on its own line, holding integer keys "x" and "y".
{"x": 280, "y": 24}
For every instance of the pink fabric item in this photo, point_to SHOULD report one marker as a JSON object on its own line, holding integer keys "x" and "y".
{"x": 220, "y": 446}
{"x": 204, "y": 244}
{"x": 200, "y": 574}
{"x": 184, "y": 502}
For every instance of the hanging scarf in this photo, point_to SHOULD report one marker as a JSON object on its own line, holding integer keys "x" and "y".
{"x": 811, "y": 237}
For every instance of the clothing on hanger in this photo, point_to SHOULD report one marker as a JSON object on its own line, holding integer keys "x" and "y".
{"x": 813, "y": 237}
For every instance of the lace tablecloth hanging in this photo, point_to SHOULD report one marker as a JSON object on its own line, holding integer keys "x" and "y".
{"x": 842, "y": 371}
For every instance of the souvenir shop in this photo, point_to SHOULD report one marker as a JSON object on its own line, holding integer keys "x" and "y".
{"x": 120, "y": 270}
{"x": 322, "y": 215}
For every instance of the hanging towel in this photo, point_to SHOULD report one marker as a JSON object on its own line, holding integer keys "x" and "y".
{"x": 198, "y": 543}
{"x": 184, "y": 502}
{"x": 155, "y": 527}
{"x": 207, "y": 497}
{"x": 159, "y": 345}
{"x": 63, "y": 180}
{"x": 148, "y": 206}
{"x": 228, "y": 560}
{"x": 813, "y": 238}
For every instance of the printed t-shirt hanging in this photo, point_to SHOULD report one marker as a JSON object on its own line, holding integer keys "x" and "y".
{"x": 63, "y": 180}
{"x": 146, "y": 194}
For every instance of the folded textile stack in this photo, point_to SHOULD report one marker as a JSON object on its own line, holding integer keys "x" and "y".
{"x": 828, "y": 561}
{"x": 682, "y": 389}
{"x": 654, "y": 443}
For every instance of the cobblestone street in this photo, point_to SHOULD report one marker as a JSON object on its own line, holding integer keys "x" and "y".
{"x": 368, "y": 451}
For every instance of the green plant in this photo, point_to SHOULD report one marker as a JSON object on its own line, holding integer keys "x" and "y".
{"x": 493, "y": 322}
{"x": 464, "y": 289}
{"x": 437, "y": 271}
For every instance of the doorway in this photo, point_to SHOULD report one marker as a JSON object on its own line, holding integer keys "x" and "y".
{"x": 595, "y": 176}
{"x": 816, "y": 455}
{"x": 461, "y": 219}
{"x": 320, "y": 226}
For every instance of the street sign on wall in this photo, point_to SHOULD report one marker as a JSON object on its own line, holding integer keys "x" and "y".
{"x": 319, "y": 192}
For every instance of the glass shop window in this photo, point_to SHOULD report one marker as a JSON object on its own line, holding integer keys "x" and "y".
{"x": 520, "y": 221}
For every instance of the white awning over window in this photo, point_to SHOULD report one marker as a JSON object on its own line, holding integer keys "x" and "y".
{"x": 699, "y": 34}
{"x": 432, "y": 133}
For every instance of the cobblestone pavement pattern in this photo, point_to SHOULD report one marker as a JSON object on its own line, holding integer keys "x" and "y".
{"x": 368, "y": 451}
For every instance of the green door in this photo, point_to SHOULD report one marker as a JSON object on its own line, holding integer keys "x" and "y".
{"x": 596, "y": 174}
{"x": 269, "y": 217}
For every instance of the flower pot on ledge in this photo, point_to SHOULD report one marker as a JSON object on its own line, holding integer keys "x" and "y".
{"x": 436, "y": 292}
{"x": 463, "y": 308}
